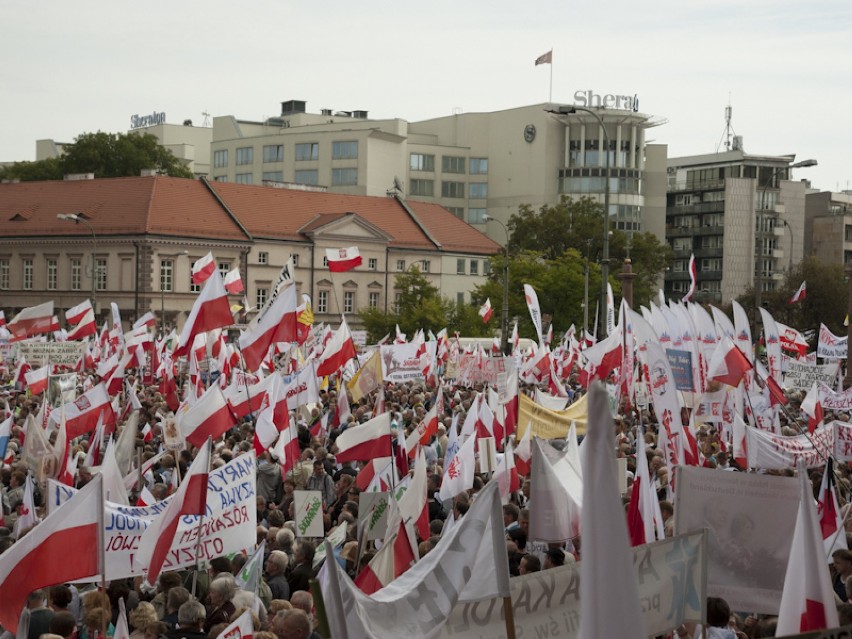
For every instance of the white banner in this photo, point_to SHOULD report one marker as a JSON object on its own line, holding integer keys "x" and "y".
{"x": 835, "y": 401}
{"x": 400, "y": 362}
{"x": 59, "y": 353}
{"x": 307, "y": 504}
{"x": 229, "y": 526}
{"x": 670, "y": 575}
{"x": 830, "y": 346}
{"x": 302, "y": 387}
{"x": 749, "y": 518}
{"x": 802, "y": 375}
{"x": 771, "y": 451}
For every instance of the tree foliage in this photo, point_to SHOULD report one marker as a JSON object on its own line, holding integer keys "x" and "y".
{"x": 104, "y": 154}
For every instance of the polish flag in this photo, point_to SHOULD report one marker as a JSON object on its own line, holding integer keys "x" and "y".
{"x": 2, "y": 318}
{"x": 245, "y": 400}
{"x": 344, "y": 259}
{"x": 5, "y": 435}
{"x": 85, "y": 327}
{"x": 210, "y": 311}
{"x": 365, "y": 441}
{"x": 693, "y": 280}
{"x": 147, "y": 433}
{"x": 240, "y": 628}
{"x": 392, "y": 560}
{"x": 807, "y": 601}
{"x": 209, "y": 416}
{"x": 145, "y": 499}
{"x": 41, "y": 559}
{"x": 644, "y": 518}
{"x": 278, "y": 324}
{"x": 376, "y": 467}
{"x": 812, "y": 408}
{"x": 728, "y": 364}
{"x": 523, "y": 453}
{"x": 33, "y": 320}
{"x": 37, "y": 379}
{"x": 426, "y": 429}
{"x": 190, "y": 499}
{"x": 830, "y": 522}
{"x": 339, "y": 350}
{"x": 148, "y": 319}
{"x": 458, "y": 475}
{"x": 203, "y": 268}
{"x": 800, "y": 294}
{"x": 273, "y": 417}
{"x": 75, "y": 314}
{"x": 81, "y": 415}
{"x": 485, "y": 311}
{"x": 413, "y": 505}
{"x": 507, "y": 474}
{"x": 286, "y": 449}
{"x": 233, "y": 282}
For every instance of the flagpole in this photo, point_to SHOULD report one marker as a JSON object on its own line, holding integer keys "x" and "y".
{"x": 236, "y": 342}
{"x": 550, "y": 95}
{"x": 101, "y": 541}
{"x": 200, "y": 520}
{"x": 319, "y": 606}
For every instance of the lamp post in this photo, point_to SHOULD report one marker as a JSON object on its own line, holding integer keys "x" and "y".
{"x": 758, "y": 280}
{"x": 569, "y": 110}
{"x": 166, "y": 256}
{"x": 586, "y": 289}
{"x": 77, "y": 219}
{"x": 504, "y": 339}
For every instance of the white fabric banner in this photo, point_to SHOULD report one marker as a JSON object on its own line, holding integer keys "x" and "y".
{"x": 301, "y": 388}
{"x": 830, "y": 346}
{"x": 400, "y": 362}
{"x": 670, "y": 575}
{"x": 835, "y": 401}
{"x": 801, "y": 374}
{"x": 769, "y": 451}
{"x": 229, "y": 526}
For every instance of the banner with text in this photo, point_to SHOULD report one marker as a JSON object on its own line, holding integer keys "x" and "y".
{"x": 229, "y": 526}
{"x": 400, "y": 362}
{"x": 830, "y": 346}
{"x": 58, "y": 353}
{"x": 802, "y": 375}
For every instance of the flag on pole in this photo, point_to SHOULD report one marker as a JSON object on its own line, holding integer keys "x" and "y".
{"x": 693, "y": 279}
{"x": 486, "y": 311}
{"x": 344, "y": 259}
{"x": 800, "y": 294}
{"x": 33, "y": 320}
{"x": 365, "y": 441}
{"x": 210, "y": 311}
{"x": 338, "y": 352}
{"x": 545, "y": 58}
{"x": 203, "y": 269}
{"x": 830, "y": 522}
{"x": 233, "y": 282}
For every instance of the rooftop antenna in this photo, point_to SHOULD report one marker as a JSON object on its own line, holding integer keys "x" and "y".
{"x": 206, "y": 118}
{"x": 729, "y": 133}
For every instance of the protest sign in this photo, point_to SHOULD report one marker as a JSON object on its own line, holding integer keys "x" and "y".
{"x": 58, "y": 353}
{"x": 229, "y": 525}
{"x": 830, "y": 346}
{"x": 373, "y": 515}
{"x": 802, "y": 375}
{"x": 835, "y": 401}
{"x": 550, "y": 424}
{"x": 670, "y": 575}
{"x": 400, "y": 362}
{"x": 749, "y": 519}
{"x": 307, "y": 504}
{"x": 680, "y": 363}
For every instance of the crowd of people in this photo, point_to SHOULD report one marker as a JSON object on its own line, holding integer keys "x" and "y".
{"x": 201, "y": 604}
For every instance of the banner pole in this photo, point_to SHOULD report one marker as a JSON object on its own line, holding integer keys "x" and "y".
{"x": 200, "y": 520}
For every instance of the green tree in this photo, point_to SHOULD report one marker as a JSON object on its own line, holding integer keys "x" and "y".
{"x": 49, "y": 169}
{"x": 121, "y": 155}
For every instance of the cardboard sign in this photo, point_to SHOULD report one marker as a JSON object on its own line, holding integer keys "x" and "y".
{"x": 308, "y": 509}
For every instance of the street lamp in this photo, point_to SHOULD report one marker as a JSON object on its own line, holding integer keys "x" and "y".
{"x": 166, "y": 256}
{"x": 77, "y": 219}
{"x": 569, "y": 110}
{"x": 504, "y": 339}
{"x": 758, "y": 281}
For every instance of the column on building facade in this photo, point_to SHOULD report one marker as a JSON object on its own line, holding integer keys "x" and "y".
{"x": 627, "y": 276}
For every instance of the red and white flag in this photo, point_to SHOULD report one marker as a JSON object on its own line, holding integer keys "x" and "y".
{"x": 42, "y": 558}
{"x": 146, "y": 498}
{"x": 531, "y": 298}
{"x": 210, "y": 311}
{"x": 365, "y": 441}
{"x": 147, "y": 433}
{"x": 240, "y": 628}
{"x": 83, "y": 413}
{"x": 523, "y": 453}
{"x": 209, "y": 416}
{"x": 426, "y": 429}
{"x": 800, "y": 294}
{"x": 807, "y": 601}
{"x": 343, "y": 259}
{"x": 190, "y": 499}
{"x": 458, "y": 476}
{"x": 36, "y": 379}
{"x": 728, "y": 365}
{"x": 644, "y": 518}
{"x": 693, "y": 279}
{"x": 392, "y": 560}
{"x": 233, "y": 282}
{"x": 506, "y": 475}
{"x": 75, "y": 314}
{"x": 148, "y": 319}
{"x": 2, "y": 318}
{"x": 338, "y": 352}
{"x": 203, "y": 269}
{"x": 485, "y": 311}
{"x": 376, "y": 467}
{"x": 830, "y": 522}
{"x": 33, "y": 320}
{"x": 286, "y": 449}
{"x": 85, "y": 327}
{"x": 278, "y": 324}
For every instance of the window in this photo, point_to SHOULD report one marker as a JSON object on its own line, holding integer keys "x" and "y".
{"x": 426, "y": 266}
{"x": 682, "y": 244}
{"x": 373, "y": 263}
{"x": 245, "y": 155}
{"x": 220, "y": 178}
{"x": 476, "y": 216}
{"x": 101, "y": 274}
{"x": 224, "y": 269}
{"x": 220, "y": 158}
{"x": 263, "y": 257}
{"x": 307, "y": 177}
{"x": 51, "y": 275}
{"x": 295, "y": 257}
{"x": 683, "y": 199}
{"x": 421, "y": 187}
{"x": 344, "y": 177}
{"x": 28, "y": 274}
{"x": 486, "y": 267}
{"x": 273, "y": 176}
{"x": 452, "y": 189}
{"x": 325, "y": 261}
{"x": 474, "y": 267}
{"x": 4, "y": 273}
{"x": 322, "y": 302}
{"x": 348, "y": 301}
{"x": 373, "y": 299}
{"x": 478, "y": 190}
{"x": 452, "y": 164}
{"x": 458, "y": 211}
{"x": 166, "y": 275}
{"x": 400, "y": 265}
{"x": 273, "y": 152}
{"x": 260, "y": 297}
{"x": 679, "y": 266}
{"x": 193, "y": 287}
{"x": 307, "y": 151}
{"x": 714, "y": 219}
{"x": 344, "y": 150}
{"x": 711, "y": 264}
{"x": 460, "y": 267}
{"x": 460, "y": 298}
{"x": 76, "y": 274}
{"x": 244, "y": 178}
{"x": 479, "y": 166}
{"x": 421, "y": 162}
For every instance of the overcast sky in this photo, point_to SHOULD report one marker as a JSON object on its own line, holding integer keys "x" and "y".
{"x": 784, "y": 66}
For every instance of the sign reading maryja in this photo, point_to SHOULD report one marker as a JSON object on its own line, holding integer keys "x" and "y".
{"x": 59, "y": 353}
